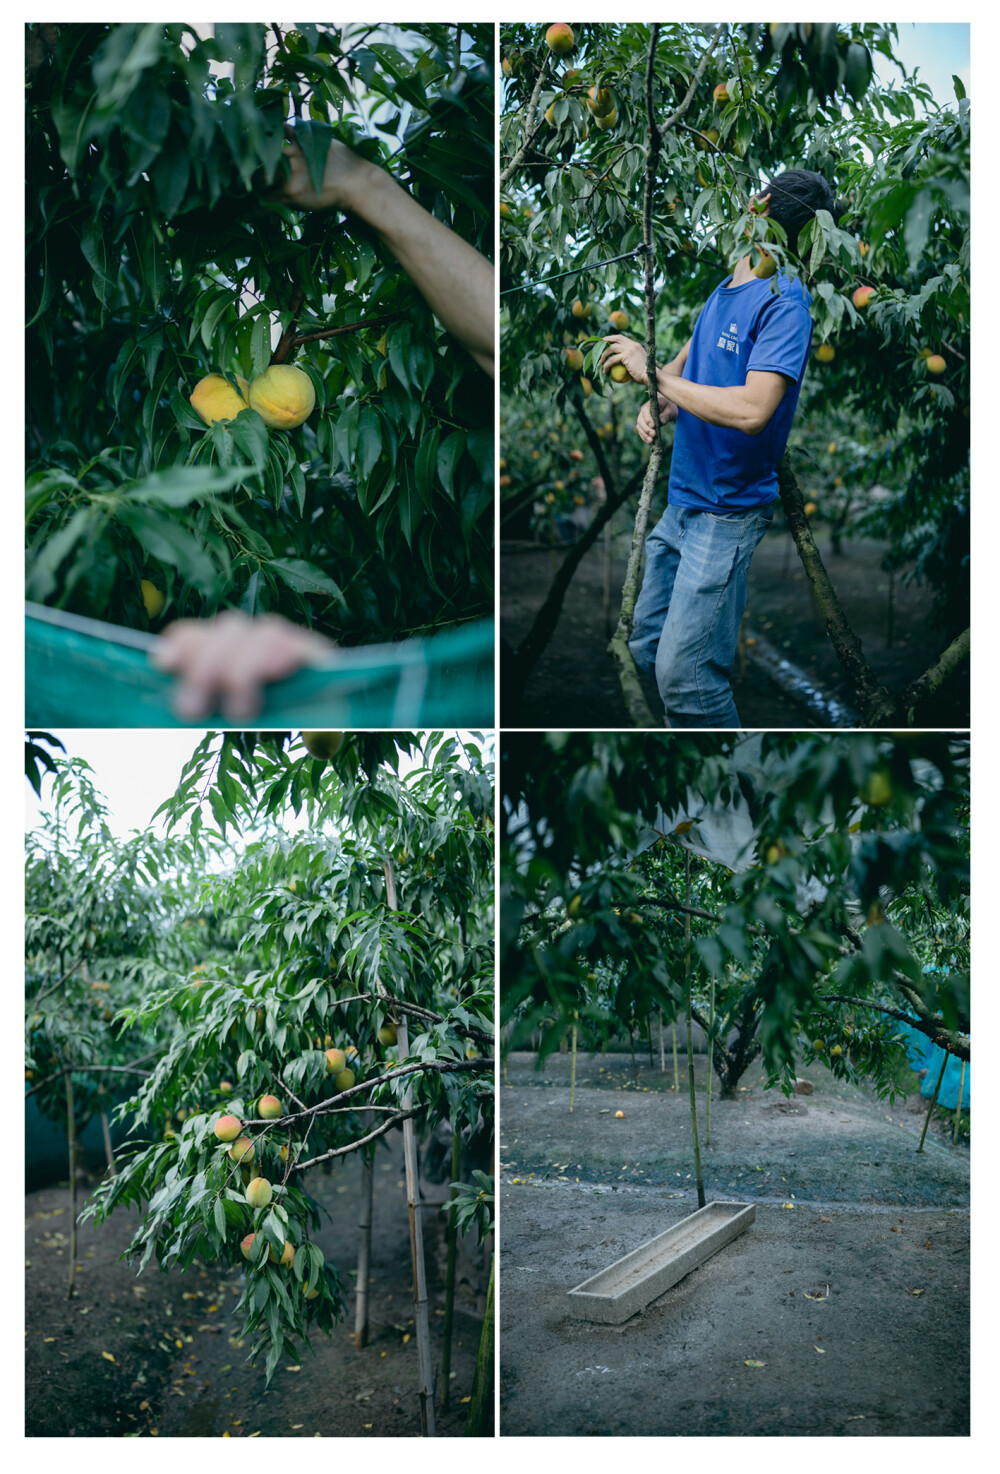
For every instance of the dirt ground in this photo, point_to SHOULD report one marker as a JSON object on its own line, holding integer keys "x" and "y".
{"x": 575, "y": 685}
{"x": 851, "y": 1286}
{"x": 160, "y": 1354}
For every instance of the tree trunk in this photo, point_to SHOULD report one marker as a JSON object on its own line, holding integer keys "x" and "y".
{"x": 690, "y": 1043}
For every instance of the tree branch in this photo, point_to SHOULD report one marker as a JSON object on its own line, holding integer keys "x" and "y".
{"x": 956, "y": 1044}
{"x": 873, "y": 700}
{"x": 348, "y": 327}
{"x": 530, "y": 126}
{"x": 946, "y": 665}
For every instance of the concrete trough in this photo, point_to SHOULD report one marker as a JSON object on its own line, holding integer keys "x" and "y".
{"x": 632, "y": 1283}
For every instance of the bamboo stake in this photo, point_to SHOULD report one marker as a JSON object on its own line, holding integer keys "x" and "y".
{"x": 71, "y": 1137}
{"x": 420, "y": 1320}
{"x": 449, "y": 1293}
{"x": 364, "y": 1251}
{"x": 482, "y": 1386}
{"x": 690, "y": 1041}
{"x": 663, "y": 1062}
{"x": 958, "y": 1104}
{"x": 107, "y": 1145}
{"x": 930, "y": 1108}
{"x": 708, "y": 1077}
{"x": 572, "y": 1068}
{"x": 677, "y": 1077}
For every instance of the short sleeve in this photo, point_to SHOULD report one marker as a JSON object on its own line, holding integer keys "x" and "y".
{"x": 784, "y": 334}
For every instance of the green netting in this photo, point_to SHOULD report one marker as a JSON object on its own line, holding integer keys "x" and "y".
{"x": 81, "y": 673}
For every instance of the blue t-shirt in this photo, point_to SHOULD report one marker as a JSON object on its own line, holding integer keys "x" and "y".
{"x": 740, "y": 329}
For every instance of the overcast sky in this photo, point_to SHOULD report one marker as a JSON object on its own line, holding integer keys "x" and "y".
{"x": 939, "y": 51}
{"x": 136, "y": 771}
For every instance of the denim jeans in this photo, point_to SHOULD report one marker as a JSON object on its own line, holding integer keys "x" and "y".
{"x": 688, "y": 613}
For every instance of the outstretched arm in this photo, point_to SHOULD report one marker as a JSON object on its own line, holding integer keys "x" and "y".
{"x": 455, "y": 280}
{"x": 747, "y": 407}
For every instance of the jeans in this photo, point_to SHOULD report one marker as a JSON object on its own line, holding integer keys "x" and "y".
{"x": 688, "y": 613}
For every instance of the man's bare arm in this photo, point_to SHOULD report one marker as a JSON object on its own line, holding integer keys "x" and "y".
{"x": 455, "y": 280}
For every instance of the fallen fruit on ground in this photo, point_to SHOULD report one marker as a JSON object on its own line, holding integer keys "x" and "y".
{"x": 214, "y": 398}
{"x": 227, "y": 1128}
{"x": 269, "y": 1108}
{"x": 322, "y": 745}
{"x": 242, "y": 1149}
{"x": 283, "y": 396}
{"x": 336, "y": 1059}
{"x": 152, "y": 598}
{"x": 258, "y": 1193}
{"x": 619, "y": 1115}
{"x": 559, "y": 38}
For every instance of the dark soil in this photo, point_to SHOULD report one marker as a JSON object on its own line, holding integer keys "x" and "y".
{"x": 161, "y": 1355}
{"x": 851, "y": 1286}
{"x": 575, "y": 685}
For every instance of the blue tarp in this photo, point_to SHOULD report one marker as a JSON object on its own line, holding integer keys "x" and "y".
{"x": 924, "y": 1055}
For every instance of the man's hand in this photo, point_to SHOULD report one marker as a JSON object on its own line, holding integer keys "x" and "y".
{"x": 224, "y": 662}
{"x": 345, "y": 178}
{"x": 627, "y": 352}
{"x": 644, "y": 427}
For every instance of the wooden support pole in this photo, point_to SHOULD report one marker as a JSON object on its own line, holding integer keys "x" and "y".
{"x": 364, "y": 1251}
{"x": 449, "y": 1293}
{"x": 420, "y": 1320}
{"x": 958, "y": 1104}
{"x": 482, "y": 1387}
{"x": 71, "y": 1137}
{"x": 930, "y": 1108}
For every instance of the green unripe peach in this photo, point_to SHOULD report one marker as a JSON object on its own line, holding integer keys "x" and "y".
{"x": 258, "y": 1193}
{"x": 322, "y": 745}
{"x": 387, "y": 1035}
{"x": 344, "y": 1080}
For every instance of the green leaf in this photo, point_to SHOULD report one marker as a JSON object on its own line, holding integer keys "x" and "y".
{"x": 304, "y": 578}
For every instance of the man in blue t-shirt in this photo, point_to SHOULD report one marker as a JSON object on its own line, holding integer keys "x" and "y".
{"x": 732, "y": 389}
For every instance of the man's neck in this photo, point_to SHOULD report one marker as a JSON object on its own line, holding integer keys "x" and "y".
{"x": 742, "y": 272}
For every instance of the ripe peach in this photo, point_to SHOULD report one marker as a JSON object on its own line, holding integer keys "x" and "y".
{"x": 559, "y": 38}
{"x": 227, "y": 1128}
{"x": 269, "y": 1108}
{"x": 242, "y": 1150}
{"x": 336, "y": 1059}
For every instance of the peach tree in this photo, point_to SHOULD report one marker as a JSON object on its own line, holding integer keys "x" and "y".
{"x": 367, "y": 924}
{"x": 159, "y": 253}
{"x": 844, "y": 905}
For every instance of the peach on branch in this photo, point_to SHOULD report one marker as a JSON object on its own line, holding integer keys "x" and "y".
{"x": 862, "y": 296}
{"x": 269, "y": 1108}
{"x": 322, "y": 745}
{"x": 559, "y": 38}
{"x": 387, "y": 1033}
{"x": 936, "y": 364}
{"x": 825, "y": 353}
{"x": 227, "y": 1128}
{"x": 246, "y": 1245}
{"x": 258, "y": 1193}
{"x": 287, "y": 1255}
{"x": 344, "y": 1080}
{"x": 242, "y": 1150}
{"x": 336, "y": 1059}
{"x": 620, "y": 320}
